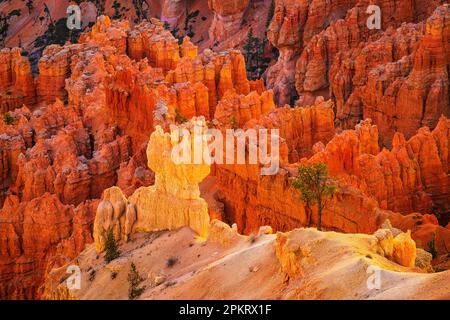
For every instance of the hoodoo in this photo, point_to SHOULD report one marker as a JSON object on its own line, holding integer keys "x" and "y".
{"x": 354, "y": 118}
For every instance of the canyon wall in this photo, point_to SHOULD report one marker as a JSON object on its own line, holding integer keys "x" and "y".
{"x": 87, "y": 118}
{"x": 227, "y": 18}
{"x": 329, "y": 50}
{"x": 412, "y": 177}
{"x": 87, "y": 128}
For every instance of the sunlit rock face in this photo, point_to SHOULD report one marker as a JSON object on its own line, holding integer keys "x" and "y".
{"x": 299, "y": 264}
{"x": 371, "y": 104}
{"x": 88, "y": 117}
{"x": 372, "y": 181}
{"x": 36, "y": 236}
{"x": 172, "y": 202}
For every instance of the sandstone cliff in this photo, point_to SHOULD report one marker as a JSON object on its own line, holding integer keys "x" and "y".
{"x": 409, "y": 81}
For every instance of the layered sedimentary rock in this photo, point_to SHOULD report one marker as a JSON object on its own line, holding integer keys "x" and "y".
{"x": 153, "y": 41}
{"x": 60, "y": 160}
{"x": 236, "y": 110}
{"x": 131, "y": 97}
{"x": 403, "y": 88}
{"x": 194, "y": 83}
{"x": 328, "y": 49}
{"x": 227, "y": 18}
{"x": 37, "y": 236}
{"x": 172, "y": 202}
{"x": 293, "y": 25}
{"x": 65, "y": 151}
{"x": 54, "y": 68}
{"x": 11, "y": 146}
{"x": 295, "y": 255}
{"x": 16, "y": 81}
{"x": 413, "y": 176}
{"x": 301, "y": 127}
{"x": 218, "y": 72}
{"x": 120, "y": 82}
{"x": 49, "y": 164}
{"x": 173, "y": 10}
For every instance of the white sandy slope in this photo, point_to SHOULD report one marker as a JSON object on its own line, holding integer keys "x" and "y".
{"x": 231, "y": 266}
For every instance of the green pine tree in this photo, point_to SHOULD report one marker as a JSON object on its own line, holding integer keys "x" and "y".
{"x": 112, "y": 251}
{"x": 29, "y": 5}
{"x": 8, "y": 119}
{"x": 432, "y": 246}
{"x": 134, "y": 280}
{"x": 269, "y": 19}
{"x": 253, "y": 50}
{"x": 316, "y": 187}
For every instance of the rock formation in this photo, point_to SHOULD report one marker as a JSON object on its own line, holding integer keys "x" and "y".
{"x": 227, "y": 18}
{"x": 366, "y": 84}
{"x": 16, "y": 82}
{"x": 36, "y": 236}
{"x": 360, "y": 68}
{"x": 172, "y": 202}
{"x": 300, "y": 264}
{"x": 372, "y": 105}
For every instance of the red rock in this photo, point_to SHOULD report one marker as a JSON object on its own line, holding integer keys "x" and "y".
{"x": 16, "y": 82}
{"x": 368, "y": 180}
{"x": 54, "y": 68}
{"x": 236, "y": 110}
{"x": 227, "y": 18}
{"x": 402, "y": 89}
{"x": 173, "y": 10}
{"x": 152, "y": 41}
{"x": 62, "y": 232}
{"x": 120, "y": 81}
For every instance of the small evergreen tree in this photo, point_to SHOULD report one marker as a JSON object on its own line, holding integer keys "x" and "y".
{"x": 7, "y": 118}
{"x": 269, "y": 19}
{"x": 111, "y": 247}
{"x": 316, "y": 187}
{"x": 255, "y": 62}
{"x": 116, "y": 7}
{"x": 29, "y": 5}
{"x": 432, "y": 246}
{"x": 134, "y": 280}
